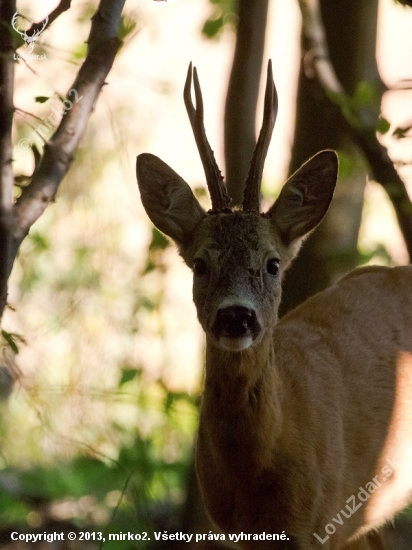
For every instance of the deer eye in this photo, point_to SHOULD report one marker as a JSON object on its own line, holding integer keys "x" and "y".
{"x": 199, "y": 267}
{"x": 272, "y": 266}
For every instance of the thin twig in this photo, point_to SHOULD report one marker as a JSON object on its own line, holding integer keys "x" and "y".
{"x": 63, "y": 6}
{"x": 364, "y": 134}
{"x": 23, "y": 112}
{"x": 7, "y": 9}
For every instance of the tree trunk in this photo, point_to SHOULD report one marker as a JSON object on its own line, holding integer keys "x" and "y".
{"x": 242, "y": 95}
{"x": 332, "y": 250}
{"x": 7, "y": 10}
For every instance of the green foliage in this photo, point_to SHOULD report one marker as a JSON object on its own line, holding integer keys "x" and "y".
{"x": 17, "y": 38}
{"x": 213, "y": 27}
{"x": 362, "y": 108}
{"x": 41, "y": 99}
{"x": 401, "y": 132}
{"x": 127, "y": 26}
{"x": 79, "y": 53}
{"x": 145, "y": 481}
{"x": 11, "y": 340}
{"x": 157, "y": 246}
{"x": 348, "y": 164}
{"x": 404, "y": 3}
{"x": 223, "y": 16}
{"x": 13, "y": 511}
{"x": 365, "y": 95}
{"x": 378, "y": 253}
{"x": 159, "y": 241}
{"x": 129, "y": 374}
{"x": 383, "y": 125}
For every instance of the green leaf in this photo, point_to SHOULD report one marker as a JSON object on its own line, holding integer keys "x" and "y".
{"x": 149, "y": 267}
{"x": 12, "y": 511}
{"x": 40, "y": 242}
{"x": 17, "y": 38}
{"x": 224, "y": 15}
{"x": 22, "y": 180}
{"x": 379, "y": 251}
{"x": 128, "y": 375}
{"x": 145, "y": 302}
{"x": 36, "y": 154}
{"x": 212, "y": 27}
{"x": 79, "y": 53}
{"x": 200, "y": 192}
{"x": 127, "y": 26}
{"x": 401, "y": 133}
{"x": 347, "y": 164}
{"x": 383, "y": 125}
{"x": 41, "y": 99}
{"x": 159, "y": 241}
{"x": 9, "y": 337}
{"x": 365, "y": 95}
{"x": 404, "y": 3}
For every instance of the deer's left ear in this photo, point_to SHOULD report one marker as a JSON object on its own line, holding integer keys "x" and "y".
{"x": 167, "y": 198}
{"x": 305, "y": 197}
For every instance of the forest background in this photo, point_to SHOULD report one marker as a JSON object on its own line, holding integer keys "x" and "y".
{"x": 102, "y": 357}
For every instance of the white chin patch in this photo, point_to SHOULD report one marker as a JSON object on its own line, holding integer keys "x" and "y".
{"x": 236, "y": 344}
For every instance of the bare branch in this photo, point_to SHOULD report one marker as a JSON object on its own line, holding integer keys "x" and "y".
{"x": 363, "y": 134}
{"x": 7, "y": 9}
{"x": 63, "y": 6}
{"x": 59, "y": 151}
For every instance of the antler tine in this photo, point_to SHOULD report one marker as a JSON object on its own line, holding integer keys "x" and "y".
{"x": 217, "y": 189}
{"x": 251, "y": 194}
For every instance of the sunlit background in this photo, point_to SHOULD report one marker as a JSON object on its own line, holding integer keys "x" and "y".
{"x": 110, "y": 354}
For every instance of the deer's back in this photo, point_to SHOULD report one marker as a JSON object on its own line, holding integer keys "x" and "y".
{"x": 345, "y": 358}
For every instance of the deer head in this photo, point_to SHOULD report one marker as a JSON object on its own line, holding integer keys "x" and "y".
{"x": 238, "y": 257}
{"x": 30, "y": 40}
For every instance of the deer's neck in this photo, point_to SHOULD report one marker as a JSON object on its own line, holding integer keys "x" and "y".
{"x": 241, "y": 414}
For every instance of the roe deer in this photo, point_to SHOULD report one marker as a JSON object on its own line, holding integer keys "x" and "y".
{"x": 306, "y": 423}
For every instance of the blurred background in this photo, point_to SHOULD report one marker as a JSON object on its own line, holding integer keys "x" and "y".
{"x": 102, "y": 356}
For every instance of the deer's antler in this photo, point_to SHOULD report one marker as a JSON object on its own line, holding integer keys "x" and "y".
{"x": 218, "y": 194}
{"x": 251, "y": 194}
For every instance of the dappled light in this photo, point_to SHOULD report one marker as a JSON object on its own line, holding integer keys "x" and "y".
{"x": 396, "y": 458}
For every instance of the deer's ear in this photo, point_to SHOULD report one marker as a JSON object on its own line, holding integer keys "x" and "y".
{"x": 305, "y": 197}
{"x": 167, "y": 198}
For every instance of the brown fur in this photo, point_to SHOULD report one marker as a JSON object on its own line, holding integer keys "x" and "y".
{"x": 291, "y": 429}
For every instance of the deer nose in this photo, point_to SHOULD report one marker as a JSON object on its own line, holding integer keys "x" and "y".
{"x": 236, "y": 322}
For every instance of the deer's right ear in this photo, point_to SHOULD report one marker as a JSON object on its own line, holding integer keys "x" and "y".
{"x": 167, "y": 198}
